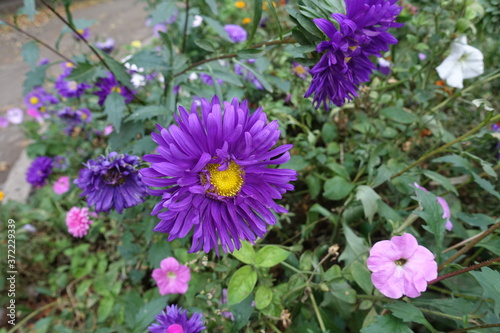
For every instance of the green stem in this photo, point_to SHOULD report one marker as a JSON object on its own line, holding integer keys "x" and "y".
{"x": 465, "y": 270}
{"x": 31, "y": 315}
{"x": 184, "y": 35}
{"x": 375, "y": 298}
{"x": 316, "y": 310}
{"x": 474, "y": 328}
{"x": 440, "y": 314}
{"x": 447, "y": 145}
{"x": 451, "y": 293}
{"x": 409, "y": 221}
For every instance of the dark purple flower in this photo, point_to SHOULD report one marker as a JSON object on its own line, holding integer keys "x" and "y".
{"x": 73, "y": 118}
{"x": 85, "y": 33}
{"x": 345, "y": 63}
{"x": 70, "y": 88}
{"x": 208, "y": 80}
{"x": 108, "y": 85}
{"x": 236, "y": 33}
{"x": 112, "y": 182}
{"x": 60, "y": 162}
{"x": 384, "y": 66}
{"x": 215, "y": 168}
{"x": 39, "y": 171}
{"x": 300, "y": 71}
{"x": 39, "y": 99}
{"x": 175, "y": 320}
{"x": 107, "y": 46}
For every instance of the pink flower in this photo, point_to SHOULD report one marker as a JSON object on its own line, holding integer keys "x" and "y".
{"x": 4, "y": 122}
{"x": 171, "y": 277}
{"x": 61, "y": 185}
{"x": 444, "y": 206}
{"x": 401, "y": 266}
{"x": 78, "y": 222}
{"x": 108, "y": 130}
{"x": 15, "y": 116}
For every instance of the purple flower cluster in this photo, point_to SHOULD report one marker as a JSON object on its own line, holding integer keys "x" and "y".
{"x": 215, "y": 170}
{"x": 346, "y": 63}
{"x": 208, "y": 80}
{"x": 69, "y": 88}
{"x": 39, "y": 170}
{"x": 112, "y": 182}
{"x": 73, "y": 118}
{"x": 109, "y": 84}
{"x": 38, "y": 99}
{"x": 175, "y": 320}
{"x": 247, "y": 75}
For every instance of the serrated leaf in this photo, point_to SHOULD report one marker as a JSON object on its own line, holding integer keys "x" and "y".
{"x": 246, "y": 254}
{"x": 387, "y": 323}
{"x": 486, "y": 185}
{"x": 270, "y": 255}
{"x": 30, "y": 53}
{"x": 337, "y": 188}
{"x": 432, "y": 213}
{"x": 117, "y": 69}
{"x": 368, "y": 198}
{"x": 241, "y": 284}
{"x": 163, "y": 11}
{"x": 488, "y": 279}
{"x": 263, "y": 297}
{"x": 445, "y": 182}
{"x": 114, "y": 107}
{"x": 84, "y": 72}
{"x": 399, "y": 115}
{"x": 409, "y": 313}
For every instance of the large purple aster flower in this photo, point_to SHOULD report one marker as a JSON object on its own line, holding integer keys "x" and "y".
{"x": 108, "y": 85}
{"x": 112, "y": 182}
{"x": 236, "y": 33}
{"x": 215, "y": 166}
{"x": 345, "y": 64}
{"x": 175, "y": 320}
{"x": 70, "y": 88}
{"x": 39, "y": 99}
{"x": 39, "y": 171}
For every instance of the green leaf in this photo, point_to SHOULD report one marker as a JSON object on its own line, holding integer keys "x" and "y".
{"x": 212, "y": 4}
{"x": 117, "y": 69}
{"x": 29, "y": 9}
{"x": 399, "y": 115}
{"x": 362, "y": 276}
{"x": 486, "y": 185}
{"x": 356, "y": 246}
{"x": 343, "y": 291}
{"x": 383, "y": 175}
{"x": 258, "y": 75}
{"x": 114, "y": 107}
{"x": 84, "y": 71}
{"x": 387, "y": 323}
{"x": 205, "y": 45}
{"x": 246, "y": 254}
{"x": 337, "y": 188}
{"x": 105, "y": 307}
{"x": 263, "y": 297}
{"x": 409, "y": 313}
{"x": 314, "y": 184}
{"x": 329, "y": 132}
{"x": 270, "y": 255}
{"x": 477, "y": 220}
{"x": 30, "y": 53}
{"x": 147, "y": 112}
{"x": 488, "y": 279}
{"x": 445, "y": 182}
{"x": 455, "y": 160}
{"x": 296, "y": 162}
{"x": 368, "y": 198}
{"x": 250, "y": 53}
{"x": 432, "y": 214}
{"x": 164, "y": 10}
{"x": 276, "y": 17}
{"x": 241, "y": 284}
{"x": 34, "y": 78}
{"x": 148, "y": 59}
{"x": 257, "y": 15}
{"x": 218, "y": 28}
{"x": 145, "y": 315}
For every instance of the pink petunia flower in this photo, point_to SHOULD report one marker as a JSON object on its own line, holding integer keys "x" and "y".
{"x": 78, "y": 222}
{"x": 444, "y": 206}
{"x": 171, "y": 277}
{"x": 61, "y": 185}
{"x": 401, "y": 266}
{"x": 108, "y": 130}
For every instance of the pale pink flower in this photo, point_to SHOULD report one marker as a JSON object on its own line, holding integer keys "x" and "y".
{"x": 401, "y": 266}
{"x": 4, "y": 122}
{"x": 78, "y": 222}
{"x": 108, "y": 130}
{"x": 61, "y": 185}
{"x": 15, "y": 116}
{"x": 444, "y": 206}
{"x": 171, "y": 277}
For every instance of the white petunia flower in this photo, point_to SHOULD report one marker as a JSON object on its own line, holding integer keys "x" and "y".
{"x": 464, "y": 62}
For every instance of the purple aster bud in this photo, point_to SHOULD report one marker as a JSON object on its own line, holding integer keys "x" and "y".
{"x": 236, "y": 33}
{"x": 107, "y": 46}
{"x": 212, "y": 175}
{"x": 175, "y": 320}
{"x": 39, "y": 170}
{"x": 112, "y": 182}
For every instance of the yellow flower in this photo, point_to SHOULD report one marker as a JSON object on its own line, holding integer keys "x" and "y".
{"x": 240, "y": 4}
{"x": 136, "y": 43}
{"x": 2, "y": 195}
{"x": 246, "y": 20}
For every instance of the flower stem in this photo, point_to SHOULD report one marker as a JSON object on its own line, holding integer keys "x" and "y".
{"x": 465, "y": 270}
{"x": 470, "y": 245}
{"x": 31, "y": 315}
{"x": 409, "y": 221}
{"x": 316, "y": 310}
{"x": 37, "y": 40}
{"x": 447, "y": 145}
{"x": 184, "y": 35}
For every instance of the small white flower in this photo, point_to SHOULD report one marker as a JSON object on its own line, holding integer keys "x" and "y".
{"x": 15, "y": 116}
{"x": 464, "y": 62}
{"x": 138, "y": 80}
{"x": 197, "y": 21}
{"x": 193, "y": 76}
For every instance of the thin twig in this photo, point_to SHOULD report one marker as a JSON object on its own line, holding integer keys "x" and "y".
{"x": 37, "y": 40}
{"x": 474, "y": 328}
{"x": 465, "y": 270}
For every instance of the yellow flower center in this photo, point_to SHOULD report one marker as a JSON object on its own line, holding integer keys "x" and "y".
{"x": 246, "y": 20}
{"x": 171, "y": 275}
{"x": 116, "y": 89}
{"x": 83, "y": 116}
{"x": 136, "y": 43}
{"x": 69, "y": 65}
{"x": 34, "y": 100}
{"x": 43, "y": 109}
{"x": 80, "y": 31}
{"x": 401, "y": 262}
{"x": 1, "y": 195}
{"x": 227, "y": 183}
{"x": 239, "y": 4}
{"x": 299, "y": 69}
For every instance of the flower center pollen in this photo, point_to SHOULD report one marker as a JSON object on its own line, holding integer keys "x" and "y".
{"x": 116, "y": 89}
{"x": 34, "y": 100}
{"x": 171, "y": 275}
{"x": 227, "y": 183}
{"x": 299, "y": 70}
{"x": 401, "y": 262}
